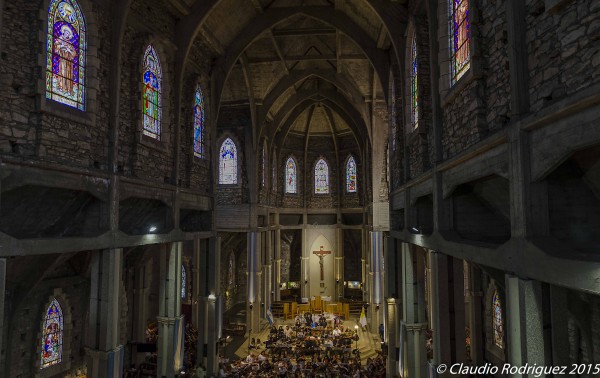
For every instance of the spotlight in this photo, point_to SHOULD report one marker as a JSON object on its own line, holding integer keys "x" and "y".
{"x": 152, "y": 229}
{"x": 251, "y": 305}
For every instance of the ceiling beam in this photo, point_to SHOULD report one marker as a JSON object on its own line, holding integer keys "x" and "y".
{"x": 278, "y": 51}
{"x": 299, "y": 58}
{"x": 180, "y": 6}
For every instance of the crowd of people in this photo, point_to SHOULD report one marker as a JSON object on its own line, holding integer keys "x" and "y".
{"x": 316, "y": 345}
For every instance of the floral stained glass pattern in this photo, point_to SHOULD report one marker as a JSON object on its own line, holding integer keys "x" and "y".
{"x": 228, "y": 163}
{"x": 198, "y": 123}
{"x": 290, "y": 176}
{"x": 351, "y": 175}
{"x": 414, "y": 84}
{"x": 52, "y": 342}
{"x": 65, "y": 54}
{"x": 460, "y": 34}
{"x": 321, "y": 177}
{"x": 152, "y": 91}
{"x": 497, "y": 321}
{"x": 183, "y": 283}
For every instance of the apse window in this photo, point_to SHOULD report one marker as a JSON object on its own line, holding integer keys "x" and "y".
{"x": 290, "y": 176}
{"x": 321, "y": 177}
{"x": 65, "y": 54}
{"x": 52, "y": 339}
{"x": 198, "y": 123}
{"x": 351, "y": 175}
{"x": 152, "y": 92}
{"x": 228, "y": 163}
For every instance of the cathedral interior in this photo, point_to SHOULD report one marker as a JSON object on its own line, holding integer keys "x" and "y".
{"x": 299, "y": 188}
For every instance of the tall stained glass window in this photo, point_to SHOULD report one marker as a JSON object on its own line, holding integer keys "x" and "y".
{"x": 274, "y": 174}
{"x": 351, "y": 175}
{"x": 198, "y": 123}
{"x": 52, "y": 339}
{"x": 497, "y": 321}
{"x": 321, "y": 177}
{"x": 290, "y": 176}
{"x": 228, "y": 163}
{"x": 460, "y": 36}
{"x": 183, "y": 282}
{"x": 152, "y": 91}
{"x": 65, "y": 54}
{"x": 414, "y": 84}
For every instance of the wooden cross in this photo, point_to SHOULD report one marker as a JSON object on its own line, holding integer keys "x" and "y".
{"x": 320, "y": 254}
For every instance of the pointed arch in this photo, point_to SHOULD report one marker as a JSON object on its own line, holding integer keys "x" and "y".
{"x": 460, "y": 38}
{"x": 291, "y": 184}
{"x": 228, "y": 162}
{"x": 52, "y": 335}
{"x": 199, "y": 144}
{"x": 66, "y": 54}
{"x": 321, "y": 177}
{"x": 351, "y": 186}
{"x": 497, "y": 320}
{"x": 152, "y": 94}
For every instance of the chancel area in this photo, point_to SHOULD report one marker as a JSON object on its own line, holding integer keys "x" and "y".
{"x": 299, "y": 188}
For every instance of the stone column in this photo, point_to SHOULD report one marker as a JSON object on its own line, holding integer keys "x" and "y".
{"x": 413, "y": 359}
{"x": 376, "y": 285}
{"x": 392, "y": 319}
{"x": 524, "y": 323}
{"x": 254, "y": 277}
{"x": 268, "y": 270}
{"x": 277, "y": 274}
{"x": 170, "y": 321}
{"x": 104, "y": 353}
{"x": 142, "y": 280}
{"x": 304, "y": 268}
{"x": 475, "y": 307}
{"x": 2, "y": 300}
{"x": 339, "y": 265}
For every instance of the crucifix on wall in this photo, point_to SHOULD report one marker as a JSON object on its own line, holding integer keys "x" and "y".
{"x": 320, "y": 254}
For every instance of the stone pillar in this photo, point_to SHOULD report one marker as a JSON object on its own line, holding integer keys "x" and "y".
{"x": 304, "y": 268}
{"x": 376, "y": 274}
{"x": 142, "y": 280}
{"x": 268, "y": 270}
{"x": 524, "y": 323}
{"x": 413, "y": 358}
{"x": 475, "y": 307}
{"x": 277, "y": 274}
{"x": 2, "y": 300}
{"x": 104, "y": 353}
{"x": 392, "y": 337}
{"x": 170, "y": 321}
{"x": 457, "y": 311}
{"x": 440, "y": 308}
{"x": 254, "y": 276}
{"x": 339, "y": 265}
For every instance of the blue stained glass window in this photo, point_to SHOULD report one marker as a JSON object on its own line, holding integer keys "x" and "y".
{"x": 290, "y": 176}
{"x": 351, "y": 175}
{"x": 52, "y": 339}
{"x": 65, "y": 54}
{"x": 198, "y": 123}
{"x": 497, "y": 321}
{"x": 152, "y": 92}
{"x": 321, "y": 177}
{"x": 414, "y": 90}
{"x": 460, "y": 34}
{"x": 183, "y": 282}
{"x": 228, "y": 163}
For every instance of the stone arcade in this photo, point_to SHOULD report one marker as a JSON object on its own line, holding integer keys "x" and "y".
{"x": 176, "y": 173}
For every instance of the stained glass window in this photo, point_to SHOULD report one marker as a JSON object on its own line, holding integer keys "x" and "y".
{"x": 264, "y": 164}
{"x": 198, "y": 123}
{"x": 183, "y": 282}
{"x": 460, "y": 36}
{"x": 52, "y": 341}
{"x": 497, "y": 322}
{"x": 351, "y": 175}
{"x": 274, "y": 173}
{"x": 65, "y": 54}
{"x": 321, "y": 177}
{"x": 228, "y": 163}
{"x": 290, "y": 176}
{"x": 414, "y": 84}
{"x": 152, "y": 92}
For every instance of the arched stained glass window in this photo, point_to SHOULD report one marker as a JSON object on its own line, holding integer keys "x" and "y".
{"x": 198, "y": 123}
{"x": 460, "y": 36}
{"x": 351, "y": 175}
{"x": 65, "y": 54}
{"x": 497, "y": 321}
{"x": 321, "y": 177}
{"x": 152, "y": 92}
{"x": 228, "y": 163}
{"x": 414, "y": 84}
{"x": 290, "y": 176}
{"x": 183, "y": 283}
{"x": 264, "y": 164}
{"x": 52, "y": 339}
